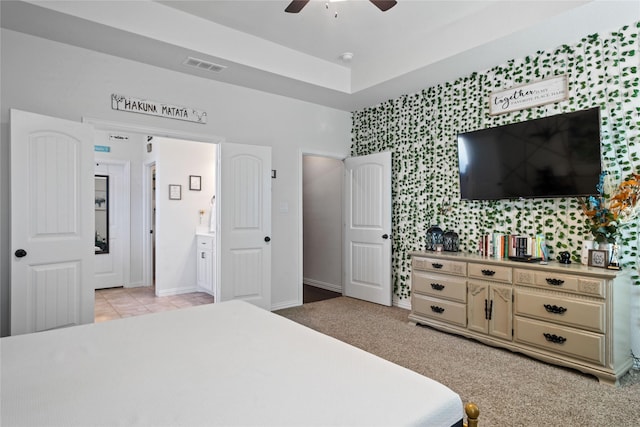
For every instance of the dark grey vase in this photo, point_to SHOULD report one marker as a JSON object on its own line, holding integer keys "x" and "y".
{"x": 434, "y": 237}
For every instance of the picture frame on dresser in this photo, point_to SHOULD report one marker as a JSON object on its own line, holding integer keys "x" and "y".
{"x": 598, "y": 258}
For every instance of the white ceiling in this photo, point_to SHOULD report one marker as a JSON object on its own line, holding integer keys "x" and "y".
{"x": 414, "y": 45}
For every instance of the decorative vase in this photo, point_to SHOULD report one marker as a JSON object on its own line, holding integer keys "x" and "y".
{"x": 434, "y": 237}
{"x": 606, "y": 246}
{"x": 450, "y": 241}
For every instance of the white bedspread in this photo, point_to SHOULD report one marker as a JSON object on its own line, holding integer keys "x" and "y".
{"x": 221, "y": 364}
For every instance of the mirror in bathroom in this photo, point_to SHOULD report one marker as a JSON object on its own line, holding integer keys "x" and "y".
{"x": 102, "y": 214}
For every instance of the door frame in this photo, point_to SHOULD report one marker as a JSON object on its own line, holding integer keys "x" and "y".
{"x": 107, "y": 125}
{"x": 147, "y": 222}
{"x": 300, "y": 266}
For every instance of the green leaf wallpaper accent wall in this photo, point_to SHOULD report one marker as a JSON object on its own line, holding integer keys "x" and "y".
{"x": 420, "y": 130}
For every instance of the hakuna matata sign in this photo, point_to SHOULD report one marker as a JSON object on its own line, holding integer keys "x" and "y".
{"x": 529, "y": 95}
{"x": 144, "y": 106}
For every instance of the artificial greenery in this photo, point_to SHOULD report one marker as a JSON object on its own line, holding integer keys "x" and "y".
{"x": 420, "y": 130}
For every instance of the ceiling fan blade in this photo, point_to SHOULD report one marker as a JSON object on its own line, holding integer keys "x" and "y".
{"x": 384, "y": 5}
{"x": 296, "y": 6}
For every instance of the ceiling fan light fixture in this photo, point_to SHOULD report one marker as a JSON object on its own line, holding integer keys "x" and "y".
{"x": 296, "y": 5}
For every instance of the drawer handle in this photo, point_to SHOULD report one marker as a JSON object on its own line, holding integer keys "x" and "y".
{"x": 557, "y": 339}
{"x": 554, "y": 309}
{"x": 436, "y": 265}
{"x": 437, "y": 309}
{"x": 437, "y": 286}
{"x": 555, "y": 282}
{"x": 488, "y": 272}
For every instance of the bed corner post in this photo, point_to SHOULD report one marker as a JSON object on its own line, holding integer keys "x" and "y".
{"x": 472, "y": 411}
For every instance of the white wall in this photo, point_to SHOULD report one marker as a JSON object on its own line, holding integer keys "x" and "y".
{"x": 322, "y": 229}
{"x": 63, "y": 81}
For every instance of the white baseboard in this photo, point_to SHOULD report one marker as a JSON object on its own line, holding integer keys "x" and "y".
{"x": 175, "y": 291}
{"x": 323, "y": 285}
{"x": 402, "y": 303}
{"x": 286, "y": 304}
{"x": 134, "y": 285}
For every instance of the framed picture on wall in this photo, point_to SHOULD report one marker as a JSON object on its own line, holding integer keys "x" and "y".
{"x": 195, "y": 182}
{"x": 598, "y": 258}
{"x": 175, "y": 192}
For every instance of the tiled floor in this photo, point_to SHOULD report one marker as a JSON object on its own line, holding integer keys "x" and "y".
{"x": 116, "y": 303}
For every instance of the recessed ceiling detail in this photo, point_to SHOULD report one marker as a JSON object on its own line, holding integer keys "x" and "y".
{"x": 412, "y": 46}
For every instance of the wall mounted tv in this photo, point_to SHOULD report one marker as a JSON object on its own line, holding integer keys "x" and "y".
{"x": 554, "y": 156}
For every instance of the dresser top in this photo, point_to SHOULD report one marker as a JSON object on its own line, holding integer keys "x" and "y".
{"x": 573, "y": 268}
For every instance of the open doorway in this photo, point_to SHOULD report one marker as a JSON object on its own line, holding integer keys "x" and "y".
{"x": 322, "y": 199}
{"x": 180, "y": 184}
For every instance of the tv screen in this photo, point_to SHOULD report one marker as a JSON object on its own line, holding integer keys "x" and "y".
{"x": 550, "y": 157}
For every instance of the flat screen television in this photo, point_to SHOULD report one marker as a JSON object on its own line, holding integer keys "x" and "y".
{"x": 555, "y": 156}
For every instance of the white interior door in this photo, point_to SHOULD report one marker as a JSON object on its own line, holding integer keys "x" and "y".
{"x": 109, "y": 267}
{"x": 52, "y": 223}
{"x": 245, "y": 224}
{"x": 368, "y": 228}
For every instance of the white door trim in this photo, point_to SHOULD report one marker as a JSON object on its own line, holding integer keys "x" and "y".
{"x": 151, "y": 130}
{"x": 302, "y": 152}
{"x": 147, "y": 212}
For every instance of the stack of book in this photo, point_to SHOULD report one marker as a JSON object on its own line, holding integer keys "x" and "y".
{"x": 499, "y": 245}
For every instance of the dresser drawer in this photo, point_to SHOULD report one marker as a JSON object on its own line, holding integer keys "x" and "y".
{"x": 439, "y": 286}
{"x": 567, "y": 311}
{"x": 446, "y": 311}
{"x": 439, "y": 265}
{"x": 558, "y": 281}
{"x": 494, "y": 273}
{"x": 583, "y": 345}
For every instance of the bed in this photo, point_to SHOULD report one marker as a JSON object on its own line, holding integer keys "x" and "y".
{"x": 225, "y": 364}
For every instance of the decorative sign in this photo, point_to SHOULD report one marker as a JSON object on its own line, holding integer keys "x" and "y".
{"x": 529, "y": 95}
{"x": 118, "y": 138}
{"x": 102, "y": 148}
{"x": 143, "y": 106}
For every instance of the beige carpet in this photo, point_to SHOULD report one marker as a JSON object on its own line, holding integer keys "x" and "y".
{"x": 510, "y": 389}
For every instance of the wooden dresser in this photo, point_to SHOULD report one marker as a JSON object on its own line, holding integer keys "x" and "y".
{"x": 570, "y": 315}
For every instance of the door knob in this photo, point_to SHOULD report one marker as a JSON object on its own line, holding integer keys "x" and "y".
{"x": 267, "y": 239}
{"x": 20, "y": 253}
{"x": 385, "y": 236}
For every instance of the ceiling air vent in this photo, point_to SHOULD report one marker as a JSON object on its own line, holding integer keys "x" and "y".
{"x": 203, "y": 65}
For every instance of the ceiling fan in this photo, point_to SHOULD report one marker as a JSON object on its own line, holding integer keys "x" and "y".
{"x": 296, "y": 5}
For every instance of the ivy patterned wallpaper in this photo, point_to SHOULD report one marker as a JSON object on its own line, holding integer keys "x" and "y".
{"x": 420, "y": 130}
